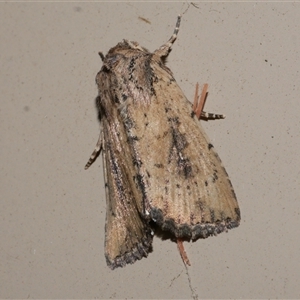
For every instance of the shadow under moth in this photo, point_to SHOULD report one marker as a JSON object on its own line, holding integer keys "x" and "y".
{"x": 160, "y": 169}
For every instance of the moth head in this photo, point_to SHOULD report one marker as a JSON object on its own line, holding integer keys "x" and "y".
{"x": 135, "y": 46}
{"x": 119, "y": 52}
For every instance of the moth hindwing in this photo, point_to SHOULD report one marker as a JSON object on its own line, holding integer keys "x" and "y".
{"x": 159, "y": 165}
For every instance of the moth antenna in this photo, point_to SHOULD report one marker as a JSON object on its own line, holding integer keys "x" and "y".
{"x": 166, "y": 48}
{"x": 101, "y": 55}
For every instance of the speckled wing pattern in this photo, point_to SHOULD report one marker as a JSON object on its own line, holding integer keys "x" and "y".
{"x": 159, "y": 165}
{"x": 186, "y": 189}
{"x": 128, "y": 236}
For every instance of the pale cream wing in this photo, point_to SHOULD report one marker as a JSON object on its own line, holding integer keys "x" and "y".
{"x": 188, "y": 191}
{"x": 128, "y": 235}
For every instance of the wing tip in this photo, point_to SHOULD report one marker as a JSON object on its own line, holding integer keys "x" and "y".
{"x": 140, "y": 250}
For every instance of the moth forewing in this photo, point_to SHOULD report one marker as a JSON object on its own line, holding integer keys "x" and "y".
{"x": 188, "y": 190}
{"x": 128, "y": 236}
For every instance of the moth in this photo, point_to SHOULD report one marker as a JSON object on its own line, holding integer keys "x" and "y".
{"x": 160, "y": 168}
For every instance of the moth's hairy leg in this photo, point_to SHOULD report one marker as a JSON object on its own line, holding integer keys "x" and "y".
{"x": 182, "y": 252}
{"x": 95, "y": 153}
{"x": 211, "y": 116}
{"x": 196, "y": 98}
{"x": 199, "y": 103}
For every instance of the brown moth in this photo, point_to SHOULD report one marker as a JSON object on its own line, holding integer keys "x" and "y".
{"x": 159, "y": 166}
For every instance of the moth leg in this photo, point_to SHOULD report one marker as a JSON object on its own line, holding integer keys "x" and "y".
{"x": 199, "y": 103}
{"x": 166, "y": 48}
{"x": 95, "y": 153}
{"x": 182, "y": 252}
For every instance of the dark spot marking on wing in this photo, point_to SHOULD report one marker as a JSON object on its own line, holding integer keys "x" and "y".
{"x": 160, "y": 166}
{"x": 185, "y": 167}
{"x": 136, "y": 162}
{"x": 129, "y": 123}
{"x": 141, "y": 184}
{"x": 157, "y": 216}
{"x": 238, "y": 213}
{"x": 215, "y": 176}
{"x": 132, "y": 139}
{"x": 124, "y": 97}
{"x": 212, "y": 215}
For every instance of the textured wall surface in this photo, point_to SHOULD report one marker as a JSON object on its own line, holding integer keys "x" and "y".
{"x": 52, "y": 211}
